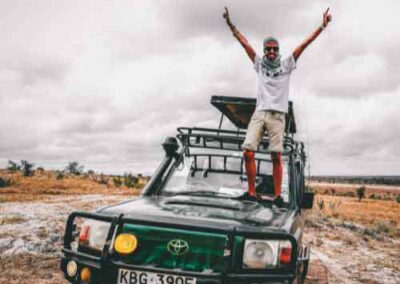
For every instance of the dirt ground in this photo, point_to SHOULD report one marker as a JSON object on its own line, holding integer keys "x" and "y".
{"x": 31, "y": 235}
{"x": 345, "y": 249}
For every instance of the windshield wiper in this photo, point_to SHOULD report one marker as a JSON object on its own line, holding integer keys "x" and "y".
{"x": 199, "y": 193}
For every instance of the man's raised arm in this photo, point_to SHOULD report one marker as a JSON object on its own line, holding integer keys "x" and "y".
{"x": 325, "y": 21}
{"x": 243, "y": 41}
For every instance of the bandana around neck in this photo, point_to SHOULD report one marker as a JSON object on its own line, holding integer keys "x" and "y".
{"x": 271, "y": 67}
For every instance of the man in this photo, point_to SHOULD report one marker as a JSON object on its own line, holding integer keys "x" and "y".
{"x": 273, "y": 76}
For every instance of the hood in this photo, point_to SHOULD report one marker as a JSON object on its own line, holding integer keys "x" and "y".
{"x": 207, "y": 211}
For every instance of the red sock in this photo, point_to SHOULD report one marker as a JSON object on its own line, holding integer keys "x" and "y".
{"x": 277, "y": 172}
{"x": 250, "y": 166}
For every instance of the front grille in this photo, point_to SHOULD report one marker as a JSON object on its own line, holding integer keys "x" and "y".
{"x": 205, "y": 250}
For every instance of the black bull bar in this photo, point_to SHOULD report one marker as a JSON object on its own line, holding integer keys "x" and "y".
{"x": 233, "y": 272}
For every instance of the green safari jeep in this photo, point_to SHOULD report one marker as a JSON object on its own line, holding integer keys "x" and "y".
{"x": 194, "y": 222}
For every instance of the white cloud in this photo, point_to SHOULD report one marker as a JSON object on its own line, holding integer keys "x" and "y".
{"x": 104, "y": 82}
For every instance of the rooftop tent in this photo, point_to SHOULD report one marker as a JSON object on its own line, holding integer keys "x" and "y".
{"x": 239, "y": 111}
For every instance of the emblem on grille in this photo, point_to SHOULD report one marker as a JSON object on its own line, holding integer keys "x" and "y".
{"x": 178, "y": 247}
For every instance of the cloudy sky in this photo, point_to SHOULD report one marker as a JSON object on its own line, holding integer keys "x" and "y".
{"x": 103, "y": 82}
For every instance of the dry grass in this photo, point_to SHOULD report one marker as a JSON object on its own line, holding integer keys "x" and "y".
{"x": 13, "y": 219}
{"x": 43, "y": 184}
{"x": 366, "y": 211}
{"x": 358, "y": 240}
{"x": 381, "y": 216}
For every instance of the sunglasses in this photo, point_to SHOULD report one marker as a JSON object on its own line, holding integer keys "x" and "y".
{"x": 271, "y": 48}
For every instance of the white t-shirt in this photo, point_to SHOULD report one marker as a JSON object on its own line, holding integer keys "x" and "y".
{"x": 273, "y": 91}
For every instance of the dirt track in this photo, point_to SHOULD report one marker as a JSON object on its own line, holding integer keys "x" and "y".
{"x": 28, "y": 268}
{"x": 31, "y": 236}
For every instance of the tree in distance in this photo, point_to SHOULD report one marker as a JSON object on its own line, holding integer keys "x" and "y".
{"x": 26, "y": 168}
{"x": 360, "y": 193}
{"x": 13, "y": 166}
{"x": 74, "y": 168}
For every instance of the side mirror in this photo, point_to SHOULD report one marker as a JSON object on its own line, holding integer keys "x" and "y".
{"x": 170, "y": 146}
{"x": 308, "y": 200}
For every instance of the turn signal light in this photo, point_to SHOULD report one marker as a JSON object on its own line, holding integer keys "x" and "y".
{"x": 85, "y": 275}
{"x": 125, "y": 243}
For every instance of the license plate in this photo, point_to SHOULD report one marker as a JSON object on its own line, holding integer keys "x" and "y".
{"x": 126, "y": 276}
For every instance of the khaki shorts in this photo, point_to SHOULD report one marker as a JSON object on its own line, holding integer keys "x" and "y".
{"x": 273, "y": 122}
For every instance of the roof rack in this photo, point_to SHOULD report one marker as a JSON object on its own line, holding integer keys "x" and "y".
{"x": 222, "y": 139}
{"x": 238, "y": 111}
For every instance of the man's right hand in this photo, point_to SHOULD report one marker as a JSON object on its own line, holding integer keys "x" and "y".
{"x": 243, "y": 41}
{"x": 228, "y": 19}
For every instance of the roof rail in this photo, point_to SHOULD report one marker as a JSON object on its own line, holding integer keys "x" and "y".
{"x": 225, "y": 139}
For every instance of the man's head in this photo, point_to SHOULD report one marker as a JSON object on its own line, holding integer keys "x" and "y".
{"x": 271, "y": 48}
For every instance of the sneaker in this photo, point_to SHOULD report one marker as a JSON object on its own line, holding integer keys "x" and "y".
{"x": 278, "y": 201}
{"x": 247, "y": 196}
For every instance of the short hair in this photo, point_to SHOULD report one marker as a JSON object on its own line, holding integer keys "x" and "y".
{"x": 269, "y": 39}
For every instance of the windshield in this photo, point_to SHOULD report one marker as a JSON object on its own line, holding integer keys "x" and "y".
{"x": 222, "y": 175}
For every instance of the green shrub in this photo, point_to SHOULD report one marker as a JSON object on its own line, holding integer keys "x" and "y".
{"x": 59, "y": 175}
{"x": 387, "y": 197}
{"x": 102, "y": 179}
{"x": 5, "y": 182}
{"x": 117, "y": 181}
{"x": 398, "y": 198}
{"x": 130, "y": 180}
{"x": 383, "y": 227}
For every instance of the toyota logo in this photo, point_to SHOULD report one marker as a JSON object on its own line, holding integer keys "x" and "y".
{"x": 178, "y": 247}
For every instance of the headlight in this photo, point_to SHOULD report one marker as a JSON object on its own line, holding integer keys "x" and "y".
{"x": 94, "y": 234}
{"x": 262, "y": 254}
